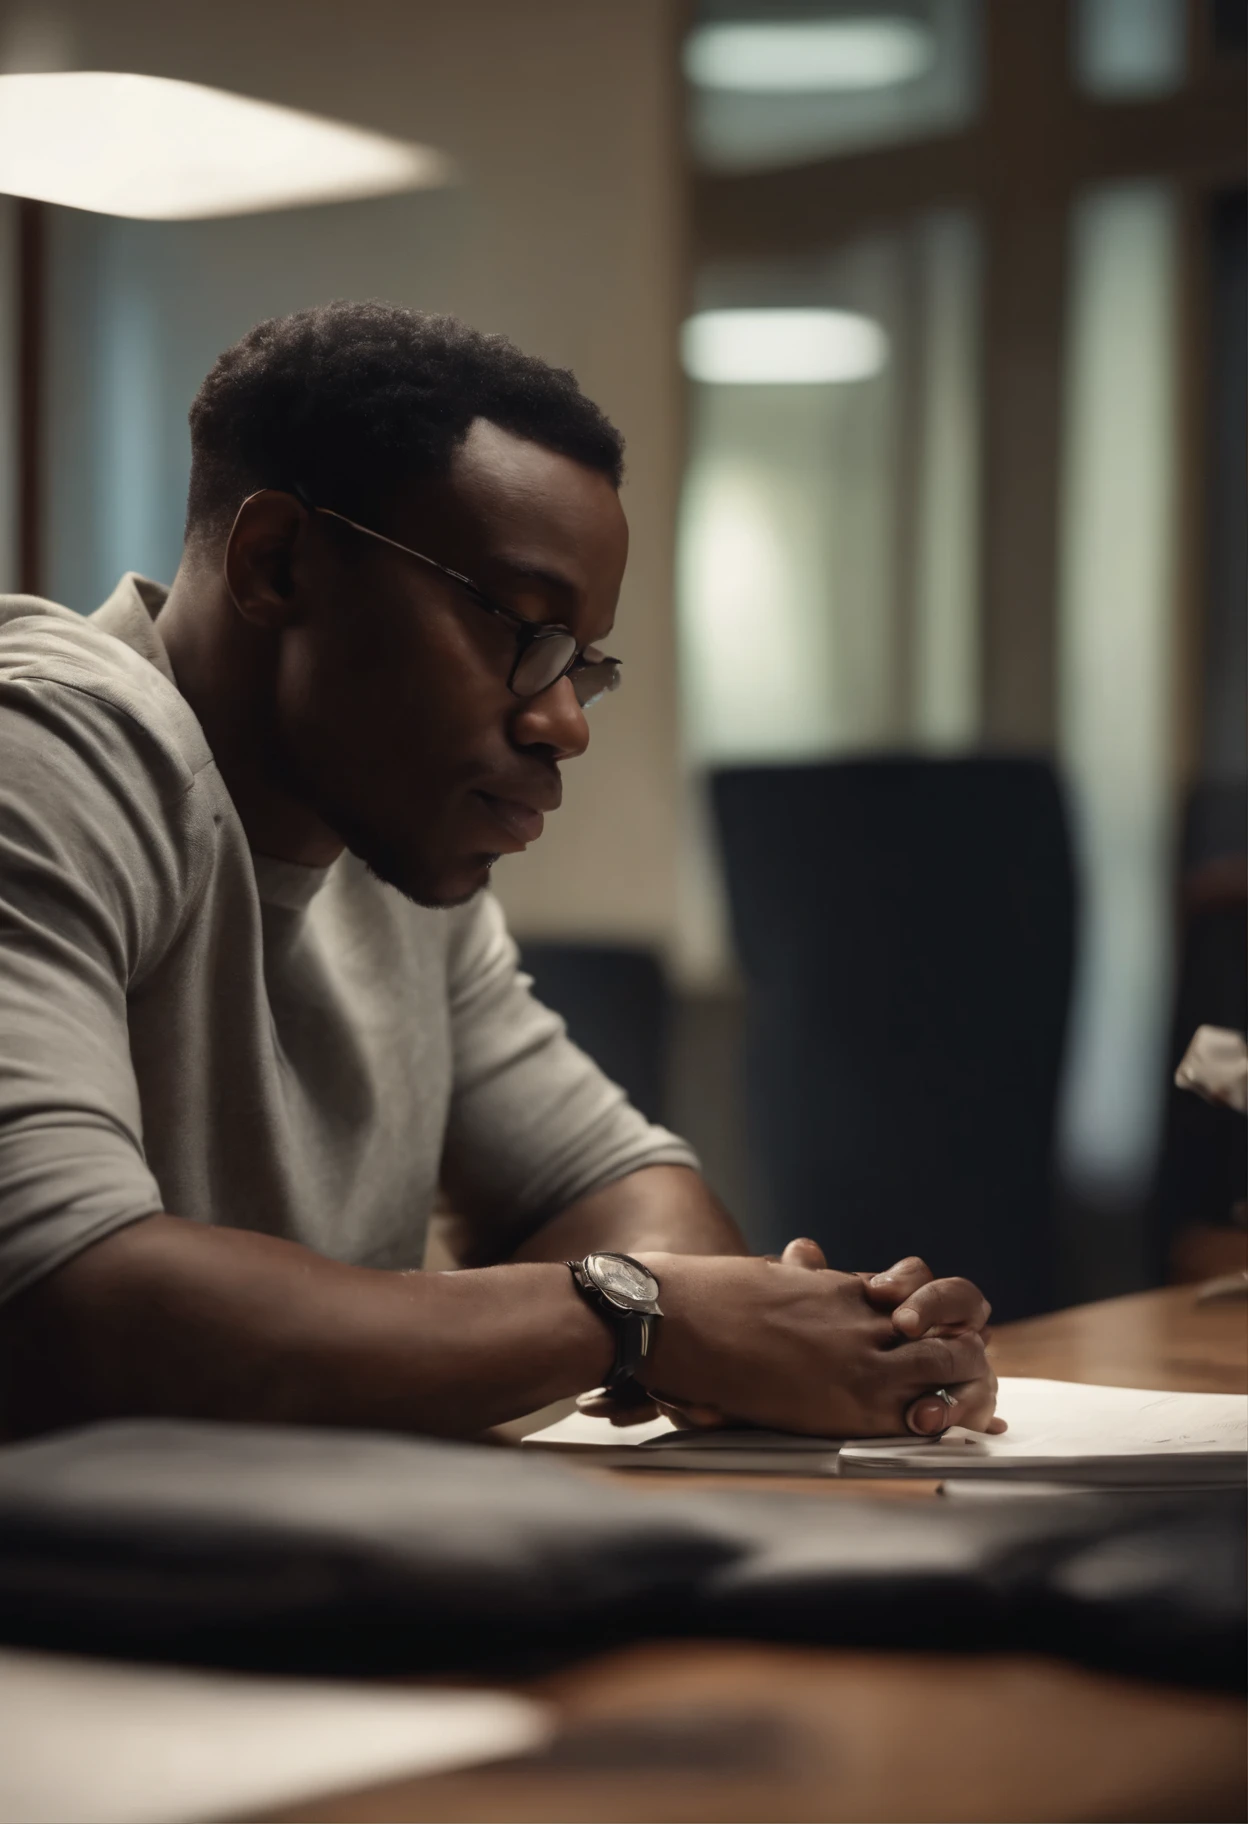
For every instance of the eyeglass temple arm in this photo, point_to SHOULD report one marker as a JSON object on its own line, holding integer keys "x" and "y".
{"x": 457, "y": 576}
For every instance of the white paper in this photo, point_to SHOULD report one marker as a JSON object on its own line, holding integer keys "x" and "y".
{"x": 1067, "y": 1429}
{"x": 581, "y": 1429}
{"x": 1072, "y": 1429}
{"x": 86, "y": 1741}
{"x": 658, "y": 1444}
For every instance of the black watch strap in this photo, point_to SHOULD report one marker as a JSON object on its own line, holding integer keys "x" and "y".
{"x": 633, "y": 1330}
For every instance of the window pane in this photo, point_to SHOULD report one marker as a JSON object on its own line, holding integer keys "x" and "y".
{"x": 828, "y": 554}
{"x": 772, "y": 88}
{"x": 1130, "y": 47}
{"x": 1115, "y": 642}
{"x": 946, "y": 664}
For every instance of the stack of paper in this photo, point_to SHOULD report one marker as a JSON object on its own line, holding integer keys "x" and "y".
{"x": 1066, "y": 1431}
{"x": 1059, "y": 1431}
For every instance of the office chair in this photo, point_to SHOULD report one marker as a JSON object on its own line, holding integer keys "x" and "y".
{"x": 906, "y": 927}
{"x": 615, "y": 1001}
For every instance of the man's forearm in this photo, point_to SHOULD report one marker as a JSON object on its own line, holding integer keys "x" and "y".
{"x": 171, "y": 1317}
{"x": 667, "y": 1208}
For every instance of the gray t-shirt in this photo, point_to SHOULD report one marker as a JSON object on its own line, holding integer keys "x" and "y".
{"x": 188, "y": 1027}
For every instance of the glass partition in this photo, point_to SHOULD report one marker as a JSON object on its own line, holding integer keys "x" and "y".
{"x": 1115, "y": 649}
{"x": 1125, "y": 49}
{"x": 771, "y": 87}
{"x": 828, "y": 560}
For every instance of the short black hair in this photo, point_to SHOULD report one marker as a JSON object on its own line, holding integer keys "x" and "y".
{"x": 348, "y": 400}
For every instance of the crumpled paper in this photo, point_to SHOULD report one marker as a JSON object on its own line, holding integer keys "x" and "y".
{"x": 1215, "y": 1066}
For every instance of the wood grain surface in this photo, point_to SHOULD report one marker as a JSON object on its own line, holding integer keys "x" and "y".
{"x": 731, "y": 1732}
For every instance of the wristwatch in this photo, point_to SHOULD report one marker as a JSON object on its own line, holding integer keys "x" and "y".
{"x": 626, "y": 1294}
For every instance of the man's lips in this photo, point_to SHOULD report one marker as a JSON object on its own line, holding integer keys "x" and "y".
{"x": 523, "y": 822}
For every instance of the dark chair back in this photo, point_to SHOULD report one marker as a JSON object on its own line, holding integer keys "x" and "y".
{"x": 906, "y": 928}
{"x": 615, "y": 1001}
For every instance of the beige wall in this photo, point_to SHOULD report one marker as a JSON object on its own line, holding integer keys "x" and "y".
{"x": 567, "y": 236}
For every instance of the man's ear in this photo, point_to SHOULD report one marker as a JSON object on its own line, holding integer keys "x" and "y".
{"x": 260, "y": 558}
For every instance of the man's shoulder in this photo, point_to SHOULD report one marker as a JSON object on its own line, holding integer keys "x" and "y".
{"x": 30, "y": 617}
{"x": 96, "y": 679}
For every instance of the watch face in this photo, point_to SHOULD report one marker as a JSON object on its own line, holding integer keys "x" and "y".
{"x": 622, "y": 1280}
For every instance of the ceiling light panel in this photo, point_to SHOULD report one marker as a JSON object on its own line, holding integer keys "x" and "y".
{"x": 782, "y": 347}
{"x": 160, "y": 150}
{"x": 786, "y": 57}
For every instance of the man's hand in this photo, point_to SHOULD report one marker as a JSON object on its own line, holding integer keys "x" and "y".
{"x": 872, "y": 1356}
{"x": 920, "y": 1306}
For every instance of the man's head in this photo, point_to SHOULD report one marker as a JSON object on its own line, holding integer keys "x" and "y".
{"x": 385, "y": 684}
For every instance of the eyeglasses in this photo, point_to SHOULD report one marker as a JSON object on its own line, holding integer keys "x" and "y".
{"x": 544, "y": 652}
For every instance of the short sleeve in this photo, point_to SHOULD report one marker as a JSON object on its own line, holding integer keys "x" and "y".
{"x": 534, "y": 1124}
{"x": 90, "y": 894}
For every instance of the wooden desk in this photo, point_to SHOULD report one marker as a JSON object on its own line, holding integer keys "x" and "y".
{"x": 770, "y": 1733}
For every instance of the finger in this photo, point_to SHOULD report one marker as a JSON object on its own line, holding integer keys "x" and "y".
{"x": 972, "y": 1408}
{"x": 896, "y": 1284}
{"x": 803, "y": 1253}
{"x": 975, "y": 1405}
{"x": 692, "y": 1418}
{"x": 942, "y": 1305}
{"x": 929, "y": 1416}
{"x": 622, "y": 1407}
{"x": 936, "y": 1361}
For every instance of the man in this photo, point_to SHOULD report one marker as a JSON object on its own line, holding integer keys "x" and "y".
{"x": 256, "y": 1005}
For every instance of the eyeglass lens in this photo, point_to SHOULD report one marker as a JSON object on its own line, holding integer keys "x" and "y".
{"x": 546, "y": 660}
{"x": 541, "y": 663}
{"x": 594, "y": 680}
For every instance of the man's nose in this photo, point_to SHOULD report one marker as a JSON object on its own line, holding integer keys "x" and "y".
{"x": 553, "y": 720}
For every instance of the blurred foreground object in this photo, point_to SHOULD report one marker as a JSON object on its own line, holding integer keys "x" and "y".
{"x": 160, "y": 150}
{"x": 1215, "y": 1066}
{"x": 907, "y": 930}
{"x": 156, "y": 1745}
{"x": 271, "y": 1547}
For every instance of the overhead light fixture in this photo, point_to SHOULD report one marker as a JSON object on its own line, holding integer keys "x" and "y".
{"x": 160, "y": 150}
{"x": 787, "y": 57}
{"x": 781, "y": 347}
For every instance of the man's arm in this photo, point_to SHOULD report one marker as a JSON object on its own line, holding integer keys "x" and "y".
{"x": 543, "y": 1152}
{"x": 168, "y": 1317}
{"x": 669, "y": 1207}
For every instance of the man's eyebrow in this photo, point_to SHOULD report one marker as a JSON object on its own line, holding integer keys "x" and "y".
{"x": 518, "y": 570}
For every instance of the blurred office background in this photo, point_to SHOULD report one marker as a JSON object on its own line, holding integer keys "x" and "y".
{"x": 901, "y": 870}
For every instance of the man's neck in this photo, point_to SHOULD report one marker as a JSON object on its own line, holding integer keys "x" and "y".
{"x": 225, "y": 669}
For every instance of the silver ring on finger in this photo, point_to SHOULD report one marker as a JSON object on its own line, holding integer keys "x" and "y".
{"x": 943, "y": 1393}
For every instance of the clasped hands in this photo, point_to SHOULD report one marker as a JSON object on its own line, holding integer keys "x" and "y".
{"x": 788, "y": 1343}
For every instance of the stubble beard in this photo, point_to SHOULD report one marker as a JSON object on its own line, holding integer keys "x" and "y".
{"x": 383, "y": 859}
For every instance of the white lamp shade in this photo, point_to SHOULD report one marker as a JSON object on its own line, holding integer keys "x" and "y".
{"x": 162, "y": 150}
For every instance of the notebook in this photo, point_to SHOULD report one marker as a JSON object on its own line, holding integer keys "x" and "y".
{"x": 1069, "y": 1432}
{"x": 1062, "y": 1432}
